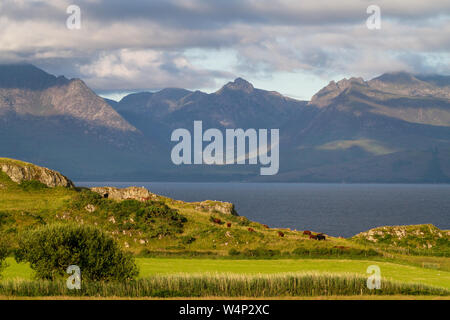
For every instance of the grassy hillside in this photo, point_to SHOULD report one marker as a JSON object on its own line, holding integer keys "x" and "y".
{"x": 164, "y": 234}
{"x": 165, "y": 226}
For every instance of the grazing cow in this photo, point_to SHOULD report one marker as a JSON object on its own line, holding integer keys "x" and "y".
{"x": 307, "y": 233}
{"x": 311, "y": 236}
{"x": 341, "y": 247}
{"x": 228, "y": 224}
{"x": 251, "y": 230}
{"x": 280, "y": 234}
{"x": 266, "y": 226}
{"x": 218, "y": 221}
{"x": 321, "y": 236}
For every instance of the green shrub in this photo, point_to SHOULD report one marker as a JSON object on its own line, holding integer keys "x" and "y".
{"x": 327, "y": 251}
{"x": 255, "y": 253}
{"x": 187, "y": 239}
{"x": 51, "y": 249}
{"x": 32, "y": 185}
{"x": 3, "y": 255}
{"x": 154, "y": 218}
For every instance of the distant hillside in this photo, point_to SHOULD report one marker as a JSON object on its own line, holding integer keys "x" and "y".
{"x": 393, "y": 128}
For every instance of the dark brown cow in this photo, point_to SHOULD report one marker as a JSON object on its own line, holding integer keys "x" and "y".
{"x": 218, "y": 221}
{"x": 228, "y": 224}
{"x": 311, "y": 236}
{"x": 280, "y": 234}
{"x": 321, "y": 236}
{"x": 307, "y": 233}
{"x": 251, "y": 230}
{"x": 266, "y": 226}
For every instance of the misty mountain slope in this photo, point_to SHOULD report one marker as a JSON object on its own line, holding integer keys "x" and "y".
{"x": 64, "y": 124}
{"x": 352, "y": 110}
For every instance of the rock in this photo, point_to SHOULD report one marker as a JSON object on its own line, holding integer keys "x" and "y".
{"x": 90, "y": 208}
{"x": 19, "y": 171}
{"x": 135, "y": 193}
{"x": 216, "y": 206}
{"x": 142, "y": 194}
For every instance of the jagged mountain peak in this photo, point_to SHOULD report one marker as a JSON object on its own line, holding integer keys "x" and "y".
{"x": 239, "y": 84}
{"x": 334, "y": 89}
{"x": 26, "y": 90}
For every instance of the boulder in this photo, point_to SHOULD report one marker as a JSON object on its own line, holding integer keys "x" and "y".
{"x": 135, "y": 193}
{"x": 19, "y": 171}
{"x": 216, "y": 206}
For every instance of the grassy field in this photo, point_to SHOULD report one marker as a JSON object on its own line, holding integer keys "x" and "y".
{"x": 166, "y": 266}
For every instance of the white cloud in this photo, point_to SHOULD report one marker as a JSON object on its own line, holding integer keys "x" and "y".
{"x": 154, "y": 44}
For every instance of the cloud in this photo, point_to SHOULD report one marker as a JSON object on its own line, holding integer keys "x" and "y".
{"x": 146, "y": 44}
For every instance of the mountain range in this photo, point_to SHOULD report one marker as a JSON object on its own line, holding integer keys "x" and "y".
{"x": 393, "y": 128}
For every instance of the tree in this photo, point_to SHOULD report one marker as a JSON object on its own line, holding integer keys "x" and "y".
{"x": 51, "y": 249}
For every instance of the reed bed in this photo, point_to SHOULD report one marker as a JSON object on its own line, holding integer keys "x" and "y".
{"x": 222, "y": 285}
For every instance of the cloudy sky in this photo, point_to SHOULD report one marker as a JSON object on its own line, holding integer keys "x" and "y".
{"x": 294, "y": 47}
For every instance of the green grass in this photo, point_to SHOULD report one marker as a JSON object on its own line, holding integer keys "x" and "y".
{"x": 16, "y": 270}
{"x": 159, "y": 266}
{"x": 223, "y": 285}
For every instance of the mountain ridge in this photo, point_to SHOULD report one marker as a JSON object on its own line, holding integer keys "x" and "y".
{"x": 347, "y": 125}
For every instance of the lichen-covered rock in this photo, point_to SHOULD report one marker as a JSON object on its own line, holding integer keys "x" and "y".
{"x": 216, "y": 206}
{"x": 135, "y": 193}
{"x": 19, "y": 171}
{"x": 90, "y": 208}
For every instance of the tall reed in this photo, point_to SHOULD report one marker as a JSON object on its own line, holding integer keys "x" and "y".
{"x": 222, "y": 285}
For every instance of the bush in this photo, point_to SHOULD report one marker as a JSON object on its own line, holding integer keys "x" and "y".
{"x": 187, "y": 239}
{"x": 51, "y": 249}
{"x": 32, "y": 185}
{"x": 255, "y": 253}
{"x": 154, "y": 218}
{"x": 3, "y": 255}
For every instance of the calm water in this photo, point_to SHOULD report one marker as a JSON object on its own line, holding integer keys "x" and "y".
{"x": 335, "y": 209}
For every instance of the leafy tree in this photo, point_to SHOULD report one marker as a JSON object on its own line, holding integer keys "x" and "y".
{"x": 51, "y": 249}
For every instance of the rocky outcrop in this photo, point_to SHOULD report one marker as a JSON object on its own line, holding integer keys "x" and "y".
{"x": 215, "y": 206}
{"x": 424, "y": 236}
{"x": 142, "y": 194}
{"x": 135, "y": 193}
{"x": 19, "y": 171}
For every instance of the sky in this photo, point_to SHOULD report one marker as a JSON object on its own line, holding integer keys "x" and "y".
{"x": 293, "y": 47}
